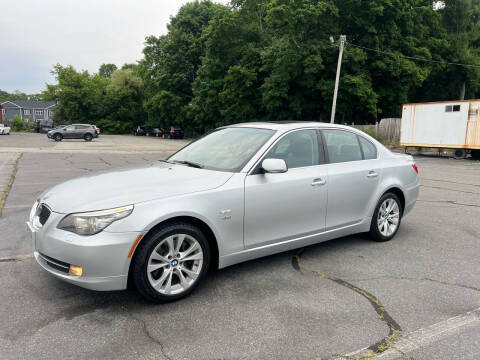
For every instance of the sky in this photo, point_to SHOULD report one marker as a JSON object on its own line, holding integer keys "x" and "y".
{"x": 37, "y": 34}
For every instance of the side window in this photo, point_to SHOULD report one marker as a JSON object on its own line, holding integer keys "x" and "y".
{"x": 70, "y": 128}
{"x": 298, "y": 149}
{"x": 369, "y": 150}
{"x": 342, "y": 146}
{"x": 81, "y": 127}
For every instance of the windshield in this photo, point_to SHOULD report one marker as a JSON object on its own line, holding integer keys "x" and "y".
{"x": 227, "y": 149}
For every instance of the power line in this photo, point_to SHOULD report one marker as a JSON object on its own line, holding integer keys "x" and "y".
{"x": 412, "y": 57}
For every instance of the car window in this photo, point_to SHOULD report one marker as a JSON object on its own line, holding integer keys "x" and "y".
{"x": 342, "y": 146}
{"x": 81, "y": 127}
{"x": 369, "y": 150}
{"x": 69, "y": 128}
{"x": 298, "y": 149}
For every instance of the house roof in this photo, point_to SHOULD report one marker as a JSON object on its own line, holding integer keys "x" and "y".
{"x": 32, "y": 104}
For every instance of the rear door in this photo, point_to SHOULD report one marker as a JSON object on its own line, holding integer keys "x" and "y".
{"x": 80, "y": 131}
{"x": 353, "y": 176}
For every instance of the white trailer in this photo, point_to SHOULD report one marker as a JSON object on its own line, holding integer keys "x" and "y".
{"x": 447, "y": 124}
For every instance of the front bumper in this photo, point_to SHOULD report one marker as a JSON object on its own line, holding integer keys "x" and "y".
{"x": 103, "y": 257}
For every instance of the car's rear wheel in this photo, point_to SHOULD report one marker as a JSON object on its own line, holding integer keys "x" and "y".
{"x": 57, "y": 137}
{"x": 88, "y": 137}
{"x": 386, "y": 218}
{"x": 171, "y": 262}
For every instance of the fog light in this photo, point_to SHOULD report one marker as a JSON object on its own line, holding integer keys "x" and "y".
{"x": 75, "y": 270}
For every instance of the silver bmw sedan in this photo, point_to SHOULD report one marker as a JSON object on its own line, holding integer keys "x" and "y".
{"x": 241, "y": 192}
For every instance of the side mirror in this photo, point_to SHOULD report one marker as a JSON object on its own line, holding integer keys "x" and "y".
{"x": 274, "y": 166}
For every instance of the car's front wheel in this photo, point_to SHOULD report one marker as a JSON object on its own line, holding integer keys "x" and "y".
{"x": 57, "y": 137}
{"x": 386, "y": 218}
{"x": 171, "y": 262}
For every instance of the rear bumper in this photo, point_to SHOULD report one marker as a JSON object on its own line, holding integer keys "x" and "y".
{"x": 411, "y": 195}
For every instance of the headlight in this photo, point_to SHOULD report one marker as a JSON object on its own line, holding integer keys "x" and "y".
{"x": 91, "y": 223}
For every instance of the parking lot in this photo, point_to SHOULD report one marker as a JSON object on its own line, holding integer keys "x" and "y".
{"x": 416, "y": 297}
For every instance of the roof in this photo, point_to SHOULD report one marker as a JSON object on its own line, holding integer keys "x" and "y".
{"x": 286, "y": 125}
{"x": 443, "y": 102}
{"x": 32, "y": 104}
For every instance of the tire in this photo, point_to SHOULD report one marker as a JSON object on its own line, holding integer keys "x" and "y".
{"x": 378, "y": 232}
{"x": 88, "y": 137}
{"x": 155, "y": 251}
{"x": 459, "y": 154}
{"x": 58, "y": 137}
{"x": 475, "y": 154}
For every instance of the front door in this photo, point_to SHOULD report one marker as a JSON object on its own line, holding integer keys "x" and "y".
{"x": 69, "y": 132}
{"x": 288, "y": 205}
{"x": 353, "y": 176}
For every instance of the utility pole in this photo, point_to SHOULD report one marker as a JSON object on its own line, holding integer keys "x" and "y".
{"x": 343, "y": 39}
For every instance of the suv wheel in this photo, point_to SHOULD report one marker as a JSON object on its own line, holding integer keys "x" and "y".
{"x": 88, "y": 137}
{"x": 57, "y": 137}
{"x": 171, "y": 262}
{"x": 386, "y": 218}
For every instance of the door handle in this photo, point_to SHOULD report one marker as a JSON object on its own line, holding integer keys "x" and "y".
{"x": 319, "y": 182}
{"x": 372, "y": 174}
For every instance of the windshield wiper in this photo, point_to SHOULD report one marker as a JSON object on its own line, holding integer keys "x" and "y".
{"x": 189, "y": 163}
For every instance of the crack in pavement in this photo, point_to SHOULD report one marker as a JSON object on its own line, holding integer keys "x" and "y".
{"x": 3, "y": 199}
{"x": 454, "y": 190}
{"x": 104, "y": 161}
{"x": 16, "y": 258}
{"x": 395, "y": 331}
{"x": 451, "y": 202}
{"x": 150, "y": 336}
{"x": 411, "y": 278}
{"x": 451, "y": 182}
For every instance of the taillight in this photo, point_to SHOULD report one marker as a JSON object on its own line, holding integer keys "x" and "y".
{"x": 415, "y": 167}
{"x": 172, "y": 131}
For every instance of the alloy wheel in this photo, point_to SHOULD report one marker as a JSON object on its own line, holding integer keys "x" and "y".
{"x": 388, "y": 217}
{"x": 175, "y": 264}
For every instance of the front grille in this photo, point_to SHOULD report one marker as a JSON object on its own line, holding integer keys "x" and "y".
{"x": 56, "y": 264}
{"x": 43, "y": 214}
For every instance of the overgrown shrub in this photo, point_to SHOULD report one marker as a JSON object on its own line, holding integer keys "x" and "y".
{"x": 17, "y": 124}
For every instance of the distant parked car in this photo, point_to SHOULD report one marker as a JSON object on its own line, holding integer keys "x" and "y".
{"x": 140, "y": 131}
{"x": 75, "y": 131}
{"x": 175, "y": 132}
{"x": 155, "y": 132}
{"x": 4, "y": 130}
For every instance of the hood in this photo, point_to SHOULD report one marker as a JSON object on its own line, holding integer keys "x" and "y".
{"x": 130, "y": 185}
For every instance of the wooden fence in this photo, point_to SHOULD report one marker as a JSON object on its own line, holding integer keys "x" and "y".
{"x": 386, "y": 131}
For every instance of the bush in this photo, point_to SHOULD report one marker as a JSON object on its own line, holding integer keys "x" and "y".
{"x": 17, "y": 124}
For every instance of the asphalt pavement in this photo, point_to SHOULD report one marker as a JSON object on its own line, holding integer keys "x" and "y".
{"x": 415, "y": 297}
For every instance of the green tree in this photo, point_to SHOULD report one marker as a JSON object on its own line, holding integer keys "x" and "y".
{"x": 106, "y": 70}
{"x": 171, "y": 62}
{"x": 122, "y": 103}
{"x": 79, "y": 95}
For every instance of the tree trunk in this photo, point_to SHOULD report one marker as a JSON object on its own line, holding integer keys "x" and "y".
{"x": 462, "y": 91}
